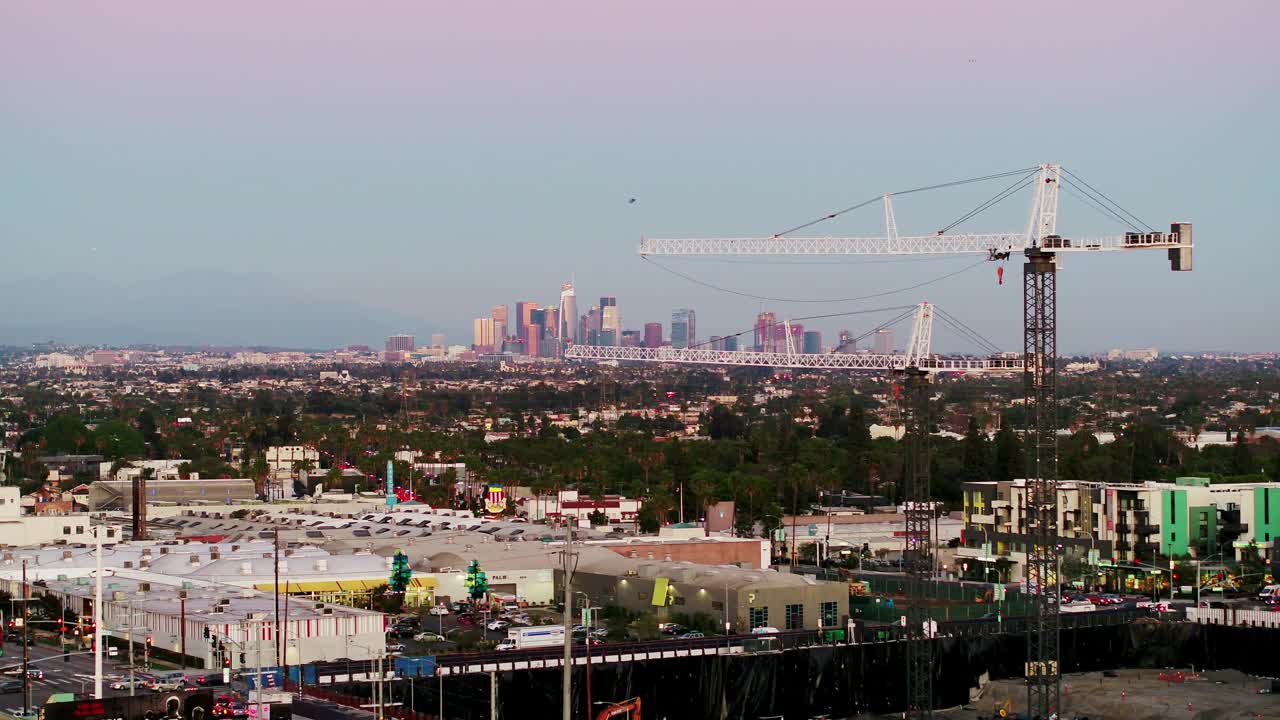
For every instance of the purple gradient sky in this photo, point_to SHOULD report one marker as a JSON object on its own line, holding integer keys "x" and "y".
{"x": 447, "y": 156}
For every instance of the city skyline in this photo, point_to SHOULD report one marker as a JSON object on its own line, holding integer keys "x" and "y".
{"x": 363, "y": 185}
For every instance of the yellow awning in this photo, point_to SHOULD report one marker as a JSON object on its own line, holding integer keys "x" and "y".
{"x": 428, "y": 583}
{"x": 361, "y": 585}
{"x": 301, "y": 587}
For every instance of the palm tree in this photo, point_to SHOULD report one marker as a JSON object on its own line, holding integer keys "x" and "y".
{"x": 259, "y": 470}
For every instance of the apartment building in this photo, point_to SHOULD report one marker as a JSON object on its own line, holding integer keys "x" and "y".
{"x": 1134, "y": 523}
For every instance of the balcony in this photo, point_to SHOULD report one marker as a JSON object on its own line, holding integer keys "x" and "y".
{"x": 1148, "y": 529}
{"x": 1122, "y": 527}
{"x": 988, "y": 519}
{"x": 1123, "y": 545}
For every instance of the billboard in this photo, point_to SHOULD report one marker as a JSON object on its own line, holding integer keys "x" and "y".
{"x": 495, "y": 500}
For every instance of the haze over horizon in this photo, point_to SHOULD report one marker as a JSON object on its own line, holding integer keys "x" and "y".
{"x": 320, "y": 174}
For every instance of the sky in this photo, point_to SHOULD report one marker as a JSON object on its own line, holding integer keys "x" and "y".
{"x": 322, "y": 173}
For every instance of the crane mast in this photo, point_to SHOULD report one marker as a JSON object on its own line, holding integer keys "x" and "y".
{"x": 1040, "y": 242}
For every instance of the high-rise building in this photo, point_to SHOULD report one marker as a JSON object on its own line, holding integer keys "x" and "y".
{"x": 437, "y": 340}
{"x": 592, "y": 329}
{"x": 730, "y": 343}
{"x": 717, "y": 342}
{"x": 813, "y": 342}
{"x": 551, "y": 322}
{"x": 568, "y": 314}
{"x": 532, "y": 336}
{"x": 882, "y": 342}
{"x": 608, "y": 338}
{"x": 653, "y": 335}
{"x": 610, "y": 320}
{"x": 524, "y": 317}
{"x": 683, "y": 332}
{"x": 630, "y": 338}
{"x": 500, "y": 323}
{"x": 765, "y": 322}
{"x": 483, "y": 332}
{"x": 400, "y": 343}
{"x": 847, "y": 343}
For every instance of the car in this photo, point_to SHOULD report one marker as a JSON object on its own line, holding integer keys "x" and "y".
{"x": 439, "y": 610}
{"x": 408, "y": 622}
{"x": 764, "y": 630}
{"x": 507, "y": 644}
{"x": 1112, "y": 599}
{"x": 691, "y": 635}
{"x": 10, "y": 686}
{"x": 600, "y": 632}
{"x": 166, "y": 682}
{"x": 401, "y": 632}
{"x": 519, "y": 620}
{"x": 138, "y": 683}
{"x": 584, "y": 640}
{"x": 395, "y": 648}
{"x": 35, "y": 673}
{"x": 498, "y": 625}
{"x": 428, "y": 637}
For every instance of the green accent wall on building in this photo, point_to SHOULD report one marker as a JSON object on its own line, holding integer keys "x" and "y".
{"x": 1266, "y": 514}
{"x": 1174, "y": 533}
{"x": 1206, "y": 516}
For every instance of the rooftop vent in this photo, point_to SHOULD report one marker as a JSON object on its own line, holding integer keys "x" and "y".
{"x": 246, "y": 568}
{"x": 322, "y": 565}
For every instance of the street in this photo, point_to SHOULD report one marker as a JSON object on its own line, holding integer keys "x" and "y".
{"x": 74, "y": 675}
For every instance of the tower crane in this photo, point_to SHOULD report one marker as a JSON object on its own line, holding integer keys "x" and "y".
{"x": 1040, "y": 243}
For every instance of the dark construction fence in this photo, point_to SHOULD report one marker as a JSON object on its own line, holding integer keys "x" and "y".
{"x": 842, "y": 680}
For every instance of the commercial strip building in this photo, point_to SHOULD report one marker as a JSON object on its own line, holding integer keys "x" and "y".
{"x": 745, "y": 598}
{"x": 1135, "y": 523}
{"x": 175, "y": 608}
{"x": 568, "y": 503}
{"x": 18, "y": 529}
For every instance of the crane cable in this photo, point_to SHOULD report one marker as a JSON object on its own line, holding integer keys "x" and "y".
{"x": 753, "y": 296}
{"x": 965, "y": 331}
{"x": 1108, "y": 200}
{"x": 881, "y": 326}
{"x": 851, "y": 208}
{"x": 1017, "y": 185}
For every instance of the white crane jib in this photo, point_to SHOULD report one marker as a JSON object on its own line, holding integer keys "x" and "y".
{"x": 1041, "y": 232}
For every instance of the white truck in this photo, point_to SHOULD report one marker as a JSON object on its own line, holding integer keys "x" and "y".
{"x": 520, "y": 638}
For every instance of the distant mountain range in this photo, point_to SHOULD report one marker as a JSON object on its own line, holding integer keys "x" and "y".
{"x": 196, "y": 308}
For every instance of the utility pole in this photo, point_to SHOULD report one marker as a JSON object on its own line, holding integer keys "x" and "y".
{"x": 257, "y": 672}
{"x": 276, "y": 633}
{"x": 130, "y": 632}
{"x": 566, "y": 694}
{"x": 26, "y": 650}
{"x": 97, "y": 616}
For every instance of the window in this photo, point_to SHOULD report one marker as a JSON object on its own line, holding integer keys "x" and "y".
{"x": 759, "y": 617}
{"x": 79, "y": 529}
{"x": 679, "y": 600}
{"x": 66, "y": 530}
{"x": 830, "y": 613}
{"x": 795, "y": 617}
{"x": 717, "y": 605}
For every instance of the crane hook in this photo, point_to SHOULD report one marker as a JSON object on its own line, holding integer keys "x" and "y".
{"x": 999, "y": 274}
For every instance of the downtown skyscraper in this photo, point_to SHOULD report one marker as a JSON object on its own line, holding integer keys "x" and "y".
{"x": 683, "y": 328}
{"x": 610, "y": 321}
{"x": 568, "y": 324}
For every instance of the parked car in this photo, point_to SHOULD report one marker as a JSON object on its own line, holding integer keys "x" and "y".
{"x": 764, "y": 630}
{"x": 409, "y": 621}
{"x": 395, "y": 648}
{"x": 399, "y": 631}
{"x": 691, "y": 635}
{"x": 428, "y": 637}
{"x": 10, "y": 686}
{"x": 498, "y": 625}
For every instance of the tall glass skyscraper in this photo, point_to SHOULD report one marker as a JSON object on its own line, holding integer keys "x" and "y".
{"x": 683, "y": 328}
{"x": 568, "y": 314}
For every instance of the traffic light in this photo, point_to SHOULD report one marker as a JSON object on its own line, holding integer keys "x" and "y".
{"x": 242, "y": 661}
{"x": 226, "y": 660}
{"x": 148, "y": 643}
